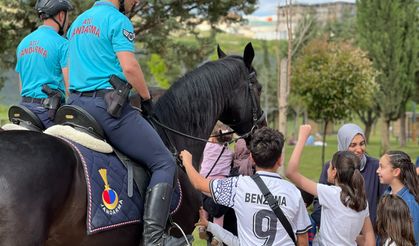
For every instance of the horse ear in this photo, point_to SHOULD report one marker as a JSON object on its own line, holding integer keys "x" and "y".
{"x": 220, "y": 53}
{"x": 248, "y": 55}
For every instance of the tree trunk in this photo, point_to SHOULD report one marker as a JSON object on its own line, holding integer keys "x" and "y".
{"x": 385, "y": 135}
{"x": 283, "y": 98}
{"x": 369, "y": 118}
{"x": 374, "y": 128}
{"x": 414, "y": 123}
{"x": 324, "y": 140}
{"x": 402, "y": 133}
{"x": 295, "y": 128}
{"x": 368, "y": 129}
{"x": 305, "y": 117}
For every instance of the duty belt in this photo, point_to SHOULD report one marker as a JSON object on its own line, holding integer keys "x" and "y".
{"x": 97, "y": 93}
{"x": 33, "y": 100}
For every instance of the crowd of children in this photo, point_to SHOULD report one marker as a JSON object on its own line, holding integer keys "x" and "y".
{"x": 343, "y": 200}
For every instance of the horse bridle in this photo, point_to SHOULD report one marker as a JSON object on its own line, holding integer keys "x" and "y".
{"x": 256, "y": 120}
{"x": 258, "y": 116}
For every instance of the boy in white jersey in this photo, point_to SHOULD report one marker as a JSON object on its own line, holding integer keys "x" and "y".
{"x": 257, "y": 223}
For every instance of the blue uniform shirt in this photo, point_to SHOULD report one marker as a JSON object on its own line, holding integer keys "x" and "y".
{"x": 41, "y": 56}
{"x": 95, "y": 38}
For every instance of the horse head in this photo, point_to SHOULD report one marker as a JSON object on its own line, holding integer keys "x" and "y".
{"x": 243, "y": 112}
{"x": 226, "y": 89}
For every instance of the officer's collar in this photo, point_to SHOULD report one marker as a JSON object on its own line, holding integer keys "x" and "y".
{"x": 47, "y": 27}
{"x": 104, "y": 2}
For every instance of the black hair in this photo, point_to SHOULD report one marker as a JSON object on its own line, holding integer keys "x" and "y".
{"x": 408, "y": 176}
{"x": 266, "y": 146}
{"x": 219, "y": 132}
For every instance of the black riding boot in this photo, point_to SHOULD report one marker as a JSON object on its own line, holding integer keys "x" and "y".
{"x": 157, "y": 205}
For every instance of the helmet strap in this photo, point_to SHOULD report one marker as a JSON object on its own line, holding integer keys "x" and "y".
{"x": 122, "y": 6}
{"x": 61, "y": 27}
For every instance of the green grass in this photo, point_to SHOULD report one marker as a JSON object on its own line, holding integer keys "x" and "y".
{"x": 3, "y": 114}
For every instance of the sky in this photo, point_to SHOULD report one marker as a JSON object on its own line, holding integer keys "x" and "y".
{"x": 268, "y": 7}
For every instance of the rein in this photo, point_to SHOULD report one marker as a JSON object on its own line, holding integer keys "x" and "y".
{"x": 218, "y": 158}
{"x": 255, "y": 119}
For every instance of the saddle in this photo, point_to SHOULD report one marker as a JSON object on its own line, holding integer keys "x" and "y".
{"x": 81, "y": 121}
{"x": 23, "y": 119}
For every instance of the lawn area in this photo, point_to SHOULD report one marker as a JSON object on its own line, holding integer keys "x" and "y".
{"x": 3, "y": 114}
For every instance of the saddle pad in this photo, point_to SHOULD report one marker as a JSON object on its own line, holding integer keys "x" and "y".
{"x": 108, "y": 204}
{"x": 11, "y": 127}
{"x": 82, "y": 138}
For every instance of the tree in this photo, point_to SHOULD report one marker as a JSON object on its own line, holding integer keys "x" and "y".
{"x": 13, "y": 17}
{"x": 304, "y": 32}
{"x": 159, "y": 70}
{"x": 388, "y": 30}
{"x": 342, "y": 29}
{"x": 369, "y": 116}
{"x": 307, "y": 29}
{"x": 333, "y": 79}
{"x": 155, "y": 22}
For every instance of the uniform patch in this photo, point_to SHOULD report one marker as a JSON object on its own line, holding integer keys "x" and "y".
{"x": 129, "y": 35}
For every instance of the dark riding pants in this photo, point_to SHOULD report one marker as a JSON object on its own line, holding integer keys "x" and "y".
{"x": 40, "y": 111}
{"x": 132, "y": 135}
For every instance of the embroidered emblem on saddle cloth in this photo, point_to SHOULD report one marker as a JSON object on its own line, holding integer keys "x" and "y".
{"x": 108, "y": 203}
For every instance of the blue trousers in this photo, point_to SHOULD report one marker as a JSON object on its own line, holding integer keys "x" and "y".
{"x": 132, "y": 135}
{"x": 40, "y": 111}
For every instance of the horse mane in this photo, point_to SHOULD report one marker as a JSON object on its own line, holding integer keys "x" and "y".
{"x": 200, "y": 95}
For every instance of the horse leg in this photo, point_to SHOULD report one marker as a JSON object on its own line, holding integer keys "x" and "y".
{"x": 188, "y": 213}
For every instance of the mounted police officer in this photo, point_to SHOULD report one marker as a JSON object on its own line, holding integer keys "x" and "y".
{"x": 42, "y": 61}
{"x": 102, "y": 69}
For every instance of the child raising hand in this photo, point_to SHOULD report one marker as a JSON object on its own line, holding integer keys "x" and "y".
{"x": 344, "y": 205}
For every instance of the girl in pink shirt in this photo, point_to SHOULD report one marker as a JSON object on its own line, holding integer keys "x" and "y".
{"x": 217, "y": 152}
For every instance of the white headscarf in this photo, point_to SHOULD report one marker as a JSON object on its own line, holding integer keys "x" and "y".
{"x": 345, "y": 136}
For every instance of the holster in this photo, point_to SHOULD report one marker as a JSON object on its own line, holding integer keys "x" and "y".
{"x": 117, "y": 98}
{"x": 53, "y": 102}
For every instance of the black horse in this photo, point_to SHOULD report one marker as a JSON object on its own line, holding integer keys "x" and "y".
{"x": 42, "y": 184}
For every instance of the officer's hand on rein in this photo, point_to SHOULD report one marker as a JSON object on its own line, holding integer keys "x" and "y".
{"x": 147, "y": 107}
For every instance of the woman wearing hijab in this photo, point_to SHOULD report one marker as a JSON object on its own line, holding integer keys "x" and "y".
{"x": 351, "y": 138}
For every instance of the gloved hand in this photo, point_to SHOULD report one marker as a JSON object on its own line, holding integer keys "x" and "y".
{"x": 147, "y": 107}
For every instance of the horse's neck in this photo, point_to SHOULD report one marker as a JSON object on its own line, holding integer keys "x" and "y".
{"x": 197, "y": 120}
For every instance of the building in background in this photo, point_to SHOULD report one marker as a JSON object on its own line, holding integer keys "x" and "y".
{"x": 274, "y": 27}
{"x": 322, "y": 12}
